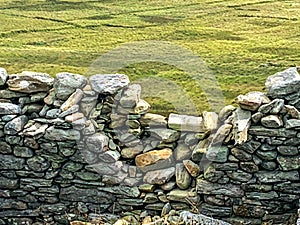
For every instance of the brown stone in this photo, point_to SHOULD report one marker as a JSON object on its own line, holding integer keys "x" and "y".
{"x": 152, "y": 157}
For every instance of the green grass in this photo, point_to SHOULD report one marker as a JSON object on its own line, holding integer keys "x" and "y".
{"x": 241, "y": 42}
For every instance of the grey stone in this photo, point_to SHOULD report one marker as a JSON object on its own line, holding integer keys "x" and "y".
{"x": 38, "y": 164}
{"x": 239, "y": 175}
{"x": 3, "y": 76}
{"x": 105, "y": 168}
{"x": 130, "y": 96}
{"x": 142, "y": 107}
{"x": 6, "y": 183}
{"x": 185, "y": 123}
{"x": 246, "y": 210}
{"x": 9, "y": 162}
{"x": 252, "y": 100}
{"x": 55, "y": 134}
{"x": 210, "y": 188}
{"x": 276, "y": 176}
{"x": 272, "y": 121}
{"x": 187, "y": 196}
{"x": 9, "y": 108}
{"x": 5, "y": 148}
{"x": 256, "y": 117}
{"x": 213, "y": 211}
{"x": 249, "y": 167}
{"x": 226, "y": 112}
{"x": 281, "y": 132}
{"x": 74, "y": 99}
{"x": 241, "y": 154}
{"x": 165, "y": 135}
{"x": 211, "y": 174}
{"x": 23, "y": 152}
{"x": 97, "y": 142}
{"x": 268, "y": 165}
{"x": 210, "y": 121}
{"x": 267, "y": 155}
{"x": 221, "y": 134}
{"x": 292, "y": 111}
{"x": 283, "y": 83}
{"x": 217, "y": 153}
{"x": 123, "y": 191}
{"x": 153, "y": 120}
{"x": 287, "y": 163}
{"x": 53, "y": 113}
{"x": 66, "y": 83}
{"x": 286, "y": 150}
{"x": 274, "y": 107}
{"x": 262, "y": 195}
{"x": 288, "y": 187}
{"x": 183, "y": 178}
{"x": 159, "y": 176}
{"x": 292, "y": 123}
{"x": 30, "y": 82}
{"x": 12, "y": 204}
{"x": 108, "y": 83}
{"x": 242, "y": 121}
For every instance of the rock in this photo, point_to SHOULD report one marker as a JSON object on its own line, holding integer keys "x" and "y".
{"x": 283, "y": 83}
{"x": 292, "y": 123}
{"x": 210, "y": 121}
{"x": 9, "y": 162}
{"x": 239, "y": 175}
{"x": 130, "y": 96}
{"x": 217, "y": 153}
{"x": 276, "y": 176}
{"x": 110, "y": 156}
{"x": 6, "y": 183}
{"x": 9, "y": 108}
{"x": 23, "y": 152}
{"x": 55, "y": 134}
{"x": 184, "y": 122}
{"x": 281, "y": 132}
{"x": 108, "y": 83}
{"x": 106, "y": 168}
{"x": 35, "y": 130}
{"x": 5, "y": 148}
{"x": 130, "y": 152}
{"x": 16, "y": 125}
{"x": 152, "y": 157}
{"x": 159, "y": 176}
{"x": 274, "y": 107}
{"x": 212, "y": 211}
{"x": 212, "y": 174}
{"x": 53, "y": 113}
{"x": 3, "y": 76}
{"x": 256, "y": 117}
{"x": 286, "y": 150}
{"x": 183, "y": 178}
{"x": 97, "y": 142}
{"x": 209, "y": 188}
{"x": 38, "y": 164}
{"x": 165, "y": 135}
{"x": 226, "y": 112}
{"x": 272, "y": 121}
{"x": 66, "y": 83}
{"x": 153, "y": 120}
{"x": 287, "y": 163}
{"x": 292, "y": 111}
{"x": 247, "y": 210}
{"x": 73, "y": 117}
{"x": 252, "y": 101}
{"x": 267, "y": 155}
{"x": 192, "y": 168}
{"x": 241, "y": 154}
{"x": 241, "y": 125}
{"x": 221, "y": 134}
{"x": 142, "y": 107}
{"x": 181, "y": 152}
{"x": 74, "y": 99}
{"x": 30, "y": 82}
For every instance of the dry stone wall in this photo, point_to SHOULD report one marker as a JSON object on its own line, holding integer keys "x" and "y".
{"x": 77, "y": 148}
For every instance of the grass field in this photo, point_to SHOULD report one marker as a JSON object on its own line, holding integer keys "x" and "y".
{"x": 241, "y": 42}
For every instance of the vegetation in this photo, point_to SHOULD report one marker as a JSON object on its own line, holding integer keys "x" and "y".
{"x": 241, "y": 41}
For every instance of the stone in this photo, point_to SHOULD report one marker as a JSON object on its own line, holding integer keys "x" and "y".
{"x": 142, "y": 107}
{"x": 272, "y": 121}
{"x": 209, "y": 188}
{"x": 249, "y": 167}
{"x": 191, "y": 167}
{"x": 241, "y": 154}
{"x": 246, "y": 210}
{"x": 90, "y": 195}
{"x": 269, "y": 132}
{"x": 10, "y": 184}
{"x": 38, "y": 164}
{"x": 210, "y": 121}
{"x": 181, "y": 152}
{"x": 110, "y": 156}
{"x": 73, "y": 117}
{"x": 283, "y": 83}
{"x": 183, "y": 178}
{"x": 130, "y": 152}
{"x": 152, "y": 157}
{"x": 292, "y": 111}
{"x": 105, "y": 168}
{"x": 242, "y": 123}
{"x": 5, "y": 148}
{"x": 274, "y": 107}
{"x": 211, "y": 174}
{"x": 286, "y": 150}
{"x": 9, "y": 162}
{"x": 252, "y": 101}
{"x": 97, "y": 142}
{"x": 108, "y": 83}
{"x": 186, "y": 196}
{"x": 288, "y": 187}
{"x": 122, "y": 191}
{"x": 211, "y": 210}
{"x": 74, "y": 99}
{"x": 53, "y": 113}
{"x": 221, "y": 134}
{"x": 66, "y": 83}
{"x": 165, "y": 135}
{"x": 30, "y": 82}
{"x": 292, "y": 124}
{"x": 159, "y": 176}
{"x": 287, "y": 163}
{"x": 239, "y": 175}
{"x": 226, "y": 112}
{"x": 153, "y": 120}
{"x": 130, "y": 96}
{"x": 268, "y": 165}
{"x": 262, "y": 195}
{"x": 184, "y": 122}
{"x": 277, "y": 176}
{"x": 23, "y": 152}
{"x": 35, "y": 130}
{"x": 217, "y": 153}
{"x": 266, "y": 155}
{"x": 55, "y": 134}
{"x": 9, "y": 108}
{"x": 3, "y": 76}
{"x": 12, "y": 204}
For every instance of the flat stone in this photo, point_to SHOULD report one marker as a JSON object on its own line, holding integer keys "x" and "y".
{"x": 221, "y": 134}
{"x": 66, "y": 83}
{"x": 252, "y": 101}
{"x": 274, "y": 107}
{"x": 292, "y": 123}
{"x": 30, "y": 82}
{"x": 23, "y": 152}
{"x": 55, "y": 134}
{"x": 152, "y": 157}
{"x": 191, "y": 167}
{"x": 246, "y": 210}
{"x": 6, "y": 183}
{"x": 269, "y": 132}
{"x": 97, "y": 142}
{"x": 262, "y": 195}
{"x": 12, "y": 204}
{"x": 9, "y": 162}
{"x": 130, "y": 152}
{"x": 242, "y": 121}
{"x": 277, "y": 176}
{"x": 287, "y": 163}
{"x": 211, "y": 174}
{"x": 209, "y": 188}
{"x": 288, "y": 187}
{"x": 38, "y": 164}
{"x": 272, "y": 121}
{"x": 210, "y": 121}
{"x": 286, "y": 150}
{"x": 153, "y": 120}
{"x": 108, "y": 83}
{"x": 249, "y": 167}
{"x": 217, "y": 153}
{"x": 165, "y": 135}
{"x": 9, "y": 108}
{"x": 213, "y": 211}
{"x": 73, "y": 117}
{"x": 185, "y": 122}
{"x": 3, "y": 76}
{"x": 142, "y": 107}
{"x": 16, "y": 125}
{"x": 226, "y": 112}
{"x": 239, "y": 175}
{"x": 183, "y": 178}
{"x": 181, "y": 152}
{"x": 53, "y": 113}
{"x": 35, "y": 130}
{"x": 241, "y": 154}
{"x": 178, "y": 195}
{"x": 292, "y": 111}
{"x": 283, "y": 83}
{"x": 130, "y": 96}
{"x": 106, "y": 168}
{"x": 122, "y": 191}
{"x": 159, "y": 176}
{"x": 267, "y": 155}
{"x": 74, "y": 99}
{"x": 5, "y": 148}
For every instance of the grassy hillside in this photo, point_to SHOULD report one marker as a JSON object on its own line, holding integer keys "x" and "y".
{"x": 241, "y": 42}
